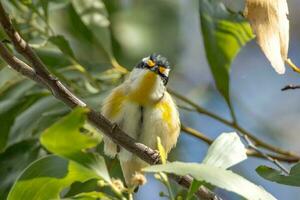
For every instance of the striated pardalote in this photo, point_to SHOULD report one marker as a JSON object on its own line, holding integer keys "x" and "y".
{"x": 143, "y": 108}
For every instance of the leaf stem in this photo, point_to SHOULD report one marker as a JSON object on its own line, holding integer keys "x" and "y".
{"x": 294, "y": 67}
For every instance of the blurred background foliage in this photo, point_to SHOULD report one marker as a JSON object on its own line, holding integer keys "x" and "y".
{"x": 84, "y": 42}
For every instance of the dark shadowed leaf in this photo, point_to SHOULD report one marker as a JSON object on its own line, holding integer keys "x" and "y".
{"x": 274, "y": 175}
{"x": 36, "y": 118}
{"x": 219, "y": 177}
{"x": 80, "y": 187}
{"x": 224, "y": 34}
{"x": 13, "y": 161}
{"x": 61, "y": 42}
{"x": 53, "y": 59}
{"x": 10, "y": 109}
{"x": 47, "y": 177}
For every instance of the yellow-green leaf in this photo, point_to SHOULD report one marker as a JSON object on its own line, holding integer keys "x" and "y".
{"x": 224, "y": 34}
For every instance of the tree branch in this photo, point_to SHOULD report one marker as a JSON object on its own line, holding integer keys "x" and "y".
{"x": 41, "y": 75}
{"x": 236, "y": 126}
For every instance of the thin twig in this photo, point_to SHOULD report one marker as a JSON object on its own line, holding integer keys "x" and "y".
{"x": 40, "y": 74}
{"x": 252, "y": 146}
{"x": 235, "y": 126}
{"x": 290, "y": 87}
{"x": 196, "y": 134}
{"x": 287, "y": 159}
{"x": 185, "y": 108}
{"x": 250, "y": 152}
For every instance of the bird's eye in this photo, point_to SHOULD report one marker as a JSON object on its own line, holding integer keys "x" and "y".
{"x": 162, "y": 70}
{"x": 150, "y": 63}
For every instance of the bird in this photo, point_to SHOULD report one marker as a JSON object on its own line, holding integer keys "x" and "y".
{"x": 142, "y": 107}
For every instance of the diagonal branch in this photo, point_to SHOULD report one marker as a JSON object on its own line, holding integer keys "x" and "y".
{"x": 41, "y": 75}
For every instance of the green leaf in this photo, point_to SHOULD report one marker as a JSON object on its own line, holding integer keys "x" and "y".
{"x": 13, "y": 85}
{"x": 94, "y": 15}
{"x": 88, "y": 49}
{"x": 224, "y": 34}
{"x": 193, "y": 188}
{"x": 45, "y": 6}
{"x": 82, "y": 187}
{"x": 53, "y": 59}
{"x": 227, "y": 150}
{"x": 47, "y": 177}
{"x": 113, "y": 7}
{"x": 92, "y": 196}
{"x": 13, "y": 161}
{"x": 26, "y": 2}
{"x": 69, "y": 138}
{"x": 219, "y": 177}
{"x": 293, "y": 178}
{"x": 61, "y": 42}
{"x": 36, "y": 118}
{"x": 9, "y": 110}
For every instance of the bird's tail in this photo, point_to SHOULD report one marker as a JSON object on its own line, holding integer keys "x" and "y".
{"x": 132, "y": 171}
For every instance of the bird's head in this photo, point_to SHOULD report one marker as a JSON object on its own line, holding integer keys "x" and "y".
{"x": 157, "y": 64}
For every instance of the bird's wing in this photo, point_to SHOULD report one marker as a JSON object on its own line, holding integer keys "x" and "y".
{"x": 112, "y": 109}
{"x": 113, "y": 104}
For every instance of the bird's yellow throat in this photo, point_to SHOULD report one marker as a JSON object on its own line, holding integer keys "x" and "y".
{"x": 142, "y": 93}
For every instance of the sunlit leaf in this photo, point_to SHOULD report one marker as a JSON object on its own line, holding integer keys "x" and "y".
{"x": 69, "y": 138}
{"x": 26, "y": 2}
{"x": 47, "y": 177}
{"x": 92, "y": 196}
{"x": 293, "y": 178}
{"x": 224, "y": 34}
{"x": 219, "y": 177}
{"x": 226, "y": 151}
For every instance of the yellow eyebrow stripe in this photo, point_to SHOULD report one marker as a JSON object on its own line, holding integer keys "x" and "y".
{"x": 162, "y": 69}
{"x": 150, "y": 63}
